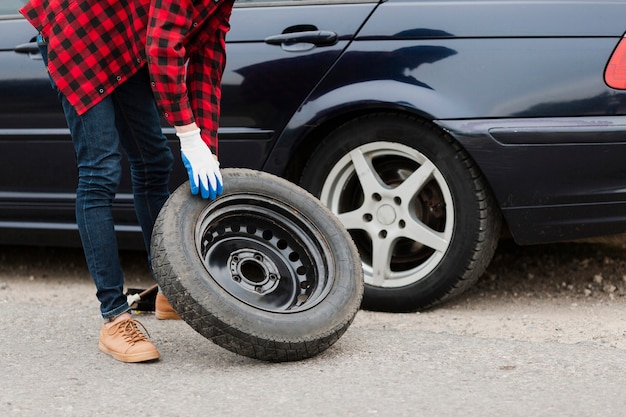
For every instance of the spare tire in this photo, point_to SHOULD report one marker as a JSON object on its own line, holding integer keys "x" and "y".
{"x": 265, "y": 270}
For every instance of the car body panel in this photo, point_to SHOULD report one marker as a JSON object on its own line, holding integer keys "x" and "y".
{"x": 264, "y": 84}
{"x": 585, "y": 196}
{"x": 491, "y": 91}
{"x": 38, "y": 193}
{"x": 518, "y": 84}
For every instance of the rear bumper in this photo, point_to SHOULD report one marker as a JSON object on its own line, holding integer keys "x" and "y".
{"x": 554, "y": 179}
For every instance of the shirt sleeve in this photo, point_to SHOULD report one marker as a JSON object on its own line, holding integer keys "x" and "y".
{"x": 204, "y": 74}
{"x": 169, "y": 22}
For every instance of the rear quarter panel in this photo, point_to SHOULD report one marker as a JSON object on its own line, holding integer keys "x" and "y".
{"x": 519, "y": 84}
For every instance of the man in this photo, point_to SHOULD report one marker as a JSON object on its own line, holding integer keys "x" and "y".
{"x": 96, "y": 58}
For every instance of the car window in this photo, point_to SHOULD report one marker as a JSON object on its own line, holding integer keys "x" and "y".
{"x": 10, "y": 7}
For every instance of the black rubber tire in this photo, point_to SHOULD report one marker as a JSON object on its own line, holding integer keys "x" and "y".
{"x": 454, "y": 206}
{"x": 265, "y": 270}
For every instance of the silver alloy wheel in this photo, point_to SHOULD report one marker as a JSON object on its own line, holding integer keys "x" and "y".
{"x": 398, "y": 208}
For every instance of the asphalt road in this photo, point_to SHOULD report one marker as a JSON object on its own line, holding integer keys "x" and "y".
{"x": 476, "y": 357}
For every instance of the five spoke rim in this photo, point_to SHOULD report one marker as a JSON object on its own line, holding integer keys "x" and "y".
{"x": 398, "y": 208}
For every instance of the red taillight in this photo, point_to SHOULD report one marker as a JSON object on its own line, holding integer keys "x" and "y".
{"x": 615, "y": 73}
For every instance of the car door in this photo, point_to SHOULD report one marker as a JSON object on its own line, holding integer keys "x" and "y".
{"x": 277, "y": 52}
{"x": 37, "y": 174}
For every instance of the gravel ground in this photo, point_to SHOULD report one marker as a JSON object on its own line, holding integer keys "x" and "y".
{"x": 567, "y": 293}
{"x": 576, "y": 271}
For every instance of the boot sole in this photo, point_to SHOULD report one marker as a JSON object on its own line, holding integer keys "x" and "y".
{"x": 166, "y": 315}
{"x": 130, "y": 358}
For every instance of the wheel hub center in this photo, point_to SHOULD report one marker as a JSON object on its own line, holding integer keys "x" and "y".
{"x": 253, "y": 271}
{"x": 386, "y": 214}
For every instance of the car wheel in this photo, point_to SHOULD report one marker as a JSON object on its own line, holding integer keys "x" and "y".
{"x": 265, "y": 270}
{"x": 415, "y": 204}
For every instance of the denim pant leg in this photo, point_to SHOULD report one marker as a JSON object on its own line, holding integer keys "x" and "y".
{"x": 141, "y": 136}
{"x": 96, "y": 142}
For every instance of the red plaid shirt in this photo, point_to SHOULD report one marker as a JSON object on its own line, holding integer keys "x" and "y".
{"x": 95, "y": 45}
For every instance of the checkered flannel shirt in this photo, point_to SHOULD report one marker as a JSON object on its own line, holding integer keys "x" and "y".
{"x": 95, "y": 45}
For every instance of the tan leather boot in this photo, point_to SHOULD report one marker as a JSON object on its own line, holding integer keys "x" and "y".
{"x": 125, "y": 342}
{"x": 163, "y": 310}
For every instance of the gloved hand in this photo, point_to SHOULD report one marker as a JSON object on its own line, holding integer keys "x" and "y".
{"x": 202, "y": 167}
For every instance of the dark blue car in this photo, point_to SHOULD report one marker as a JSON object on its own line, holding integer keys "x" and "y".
{"x": 426, "y": 126}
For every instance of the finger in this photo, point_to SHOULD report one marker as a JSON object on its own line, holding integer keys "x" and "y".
{"x": 212, "y": 183}
{"x": 220, "y": 187}
{"x": 193, "y": 181}
{"x": 218, "y": 175}
{"x": 194, "y": 187}
{"x": 205, "y": 188}
{"x": 212, "y": 179}
{"x": 208, "y": 192}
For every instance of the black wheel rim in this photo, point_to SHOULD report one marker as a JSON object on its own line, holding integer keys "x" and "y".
{"x": 264, "y": 253}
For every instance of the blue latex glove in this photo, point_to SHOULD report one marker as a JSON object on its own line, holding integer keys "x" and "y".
{"x": 202, "y": 167}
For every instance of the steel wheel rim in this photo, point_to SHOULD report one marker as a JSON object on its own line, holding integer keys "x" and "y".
{"x": 264, "y": 253}
{"x": 396, "y": 204}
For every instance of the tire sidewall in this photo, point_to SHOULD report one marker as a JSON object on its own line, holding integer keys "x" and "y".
{"x": 455, "y": 171}
{"x": 195, "y": 293}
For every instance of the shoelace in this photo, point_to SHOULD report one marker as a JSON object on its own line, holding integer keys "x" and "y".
{"x": 131, "y": 332}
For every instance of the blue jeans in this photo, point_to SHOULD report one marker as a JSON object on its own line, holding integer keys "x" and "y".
{"x": 127, "y": 119}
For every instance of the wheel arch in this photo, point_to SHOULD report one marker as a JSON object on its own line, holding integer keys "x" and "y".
{"x": 310, "y": 136}
{"x": 330, "y": 106}
{"x": 324, "y": 112}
